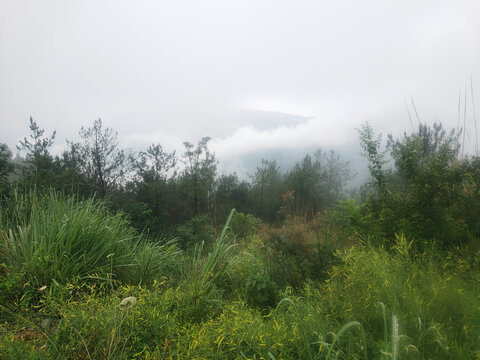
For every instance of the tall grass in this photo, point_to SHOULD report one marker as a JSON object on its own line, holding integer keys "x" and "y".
{"x": 217, "y": 261}
{"x": 427, "y": 312}
{"x": 205, "y": 268}
{"x": 53, "y": 238}
{"x": 427, "y": 292}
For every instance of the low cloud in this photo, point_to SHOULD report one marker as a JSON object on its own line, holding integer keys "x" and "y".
{"x": 314, "y": 133}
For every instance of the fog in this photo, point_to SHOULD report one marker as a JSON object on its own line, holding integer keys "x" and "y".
{"x": 259, "y": 77}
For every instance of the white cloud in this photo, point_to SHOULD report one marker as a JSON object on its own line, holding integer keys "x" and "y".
{"x": 248, "y": 139}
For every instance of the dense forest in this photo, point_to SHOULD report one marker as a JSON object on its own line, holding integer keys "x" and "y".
{"x": 110, "y": 254}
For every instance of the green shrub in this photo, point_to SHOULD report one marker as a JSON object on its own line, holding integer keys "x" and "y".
{"x": 251, "y": 281}
{"x": 244, "y": 225}
{"x": 195, "y": 231}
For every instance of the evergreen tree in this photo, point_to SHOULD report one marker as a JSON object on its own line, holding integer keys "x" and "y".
{"x": 267, "y": 187}
{"x": 40, "y": 169}
{"x": 199, "y": 175}
{"x": 100, "y": 159}
{"x": 6, "y": 166}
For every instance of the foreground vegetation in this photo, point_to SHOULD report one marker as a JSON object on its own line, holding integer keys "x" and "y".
{"x": 67, "y": 266}
{"x": 395, "y": 277}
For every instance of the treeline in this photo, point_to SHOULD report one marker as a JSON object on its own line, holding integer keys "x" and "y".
{"x": 421, "y": 184}
{"x": 160, "y": 190}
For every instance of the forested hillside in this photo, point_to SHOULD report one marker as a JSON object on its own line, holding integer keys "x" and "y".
{"x": 110, "y": 254}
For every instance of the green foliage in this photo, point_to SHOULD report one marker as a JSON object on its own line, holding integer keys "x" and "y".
{"x": 156, "y": 198}
{"x": 427, "y": 300}
{"x": 230, "y": 193}
{"x": 429, "y": 180}
{"x": 15, "y": 295}
{"x": 300, "y": 250}
{"x": 39, "y": 169}
{"x": 317, "y": 183}
{"x": 467, "y": 205}
{"x": 396, "y": 277}
{"x": 376, "y": 158}
{"x": 154, "y": 164}
{"x": 38, "y": 145}
{"x": 154, "y": 169}
{"x": 410, "y": 305}
{"x": 244, "y": 225}
{"x": 216, "y": 264}
{"x": 199, "y": 175}
{"x": 50, "y": 239}
{"x": 72, "y": 180}
{"x": 351, "y": 216}
{"x": 151, "y": 261}
{"x": 266, "y": 190}
{"x": 99, "y": 158}
{"x": 250, "y": 279}
{"x": 195, "y": 231}
{"x": 426, "y": 193}
{"x": 6, "y": 166}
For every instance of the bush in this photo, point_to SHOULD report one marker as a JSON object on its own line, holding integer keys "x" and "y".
{"x": 430, "y": 195}
{"x": 244, "y": 225}
{"x": 251, "y": 281}
{"x": 195, "y": 231}
{"x": 300, "y": 250}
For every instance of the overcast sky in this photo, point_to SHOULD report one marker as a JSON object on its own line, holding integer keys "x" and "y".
{"x": 257, "y": 76}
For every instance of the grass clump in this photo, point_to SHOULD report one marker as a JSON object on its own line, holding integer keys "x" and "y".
{"x": 50, "y": 240}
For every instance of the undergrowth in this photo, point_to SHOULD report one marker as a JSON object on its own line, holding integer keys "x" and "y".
{"x": 77, "y": 282}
